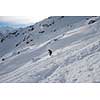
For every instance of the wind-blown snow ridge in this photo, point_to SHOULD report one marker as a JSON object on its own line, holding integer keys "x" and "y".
{"x": 75, "y": 42}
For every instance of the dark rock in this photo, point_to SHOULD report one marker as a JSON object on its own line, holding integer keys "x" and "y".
{"x": 2, "y": 40}
{"x": 91, "y": 21}
{"x": 41, "y": 31}
{"x": 3, "y": 59}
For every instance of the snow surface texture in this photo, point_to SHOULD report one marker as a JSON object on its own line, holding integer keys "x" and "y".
{"x": 75, "y": 45}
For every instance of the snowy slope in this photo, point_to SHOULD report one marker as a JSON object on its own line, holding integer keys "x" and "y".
{"x": 76, "y": 51}
{"x": 5, "y": 30}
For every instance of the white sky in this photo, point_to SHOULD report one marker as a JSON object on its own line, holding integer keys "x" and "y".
{"x": 21, "y": 19}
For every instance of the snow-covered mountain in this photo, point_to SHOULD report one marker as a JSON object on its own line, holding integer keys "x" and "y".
{"x": 4, "y": 31}
{"x": 75, "y": 45}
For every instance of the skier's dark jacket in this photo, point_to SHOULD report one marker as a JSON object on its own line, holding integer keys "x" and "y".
{"x": 50, "y": 52}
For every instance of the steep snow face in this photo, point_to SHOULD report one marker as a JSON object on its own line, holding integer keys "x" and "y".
{"x": 38, "y": 33}
{"x": 75, "y": 45}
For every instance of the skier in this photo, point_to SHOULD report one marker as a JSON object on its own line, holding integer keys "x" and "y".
{"x": 50, "y": 52}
